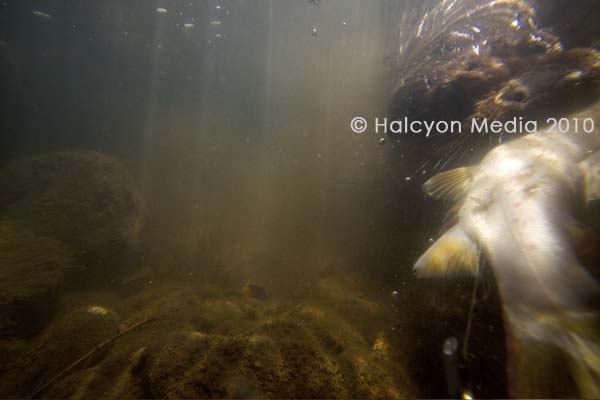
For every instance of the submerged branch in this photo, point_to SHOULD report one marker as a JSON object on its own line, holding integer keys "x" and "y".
{"x": 87, "y": 355}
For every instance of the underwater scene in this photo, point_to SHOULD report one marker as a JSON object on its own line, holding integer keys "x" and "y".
{"x": 299, "y": 199}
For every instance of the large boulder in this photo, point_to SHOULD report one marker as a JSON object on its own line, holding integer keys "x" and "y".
{"x": 307, "y": 347}
{"x": 87, "y": 200}
{"x": 32, "y": 269}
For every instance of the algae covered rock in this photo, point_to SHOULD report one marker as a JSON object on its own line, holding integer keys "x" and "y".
{"x": 292, "y": 356}
{"x": 62, "y": 342}
{"x": 206, "y": 342}
{"x": 87, "y": 200}
{"x": 276, "y": 349}
{"x": 32, "y": 269}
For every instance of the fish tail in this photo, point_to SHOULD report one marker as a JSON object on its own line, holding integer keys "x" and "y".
{"x": 585, "y": 366}
{"x": 563, "y": 365}
{"x": 536, "y": 370}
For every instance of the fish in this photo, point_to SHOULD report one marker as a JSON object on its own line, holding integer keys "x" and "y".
{"x": 41, "y": 14}
{"x": 515, "y": 211}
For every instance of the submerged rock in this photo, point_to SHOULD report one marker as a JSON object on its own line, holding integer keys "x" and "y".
{"x": 61, "y": 343}
{"x": 32, "y": 269}
{"x": 87, "y": 200}
{"x": 205, "y": 342}
{"x": 306, "y": 353}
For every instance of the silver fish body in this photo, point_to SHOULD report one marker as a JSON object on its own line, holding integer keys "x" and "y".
{"x": 515, "y": 209}
{"x": 41, "y": 14}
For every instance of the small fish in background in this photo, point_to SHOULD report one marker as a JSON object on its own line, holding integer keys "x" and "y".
{"x": 41, "y": 14}
{"x": 161, "y": 10}
{"x": 516, "y": 210}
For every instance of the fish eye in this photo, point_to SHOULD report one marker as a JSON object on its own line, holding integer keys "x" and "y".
{"x": 515, "y": 96}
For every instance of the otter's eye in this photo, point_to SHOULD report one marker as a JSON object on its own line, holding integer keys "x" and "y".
{"x": 574, "y": 76}
{"x": 517, "y": 96}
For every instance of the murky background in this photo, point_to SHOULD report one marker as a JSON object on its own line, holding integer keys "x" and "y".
{"x": 234, "y": 119}
{"x": 201, "y": 143}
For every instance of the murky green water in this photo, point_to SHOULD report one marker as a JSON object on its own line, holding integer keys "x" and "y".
{"x": 185, "y": 210}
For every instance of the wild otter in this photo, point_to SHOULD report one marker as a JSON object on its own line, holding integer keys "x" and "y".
{"x": 491, "y": 60}
{"x": 488, "y": 61}
{"x": 445, "y": 71}
{"x": 553, "y": 86}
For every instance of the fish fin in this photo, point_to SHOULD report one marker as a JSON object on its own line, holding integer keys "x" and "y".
{"x": 575, "y": 229}
{"x": 557, "y": 356}
{"x": 453, "y": 254}
{"x": 539, "y": 370}
{"x": 554, "y": 355}
{"x": 585, "y": 367}
{"x": 580, "y": 342}
{"x": 591, "y": 171}
{"x": 450, "y": 185}
{"x": 585, "y": 241}
{"x": 451, "y": 216}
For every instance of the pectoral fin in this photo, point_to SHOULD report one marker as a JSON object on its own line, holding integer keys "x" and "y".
{"x": 450, "y": 185}
{"x": 591, "y": 172}
{"x": 453, "y": 254}
{"x": 585, "y": 241}
{"x": 585, "y": 367}
{"x": 573, "y": 339}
